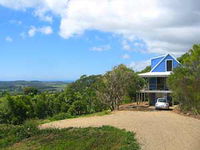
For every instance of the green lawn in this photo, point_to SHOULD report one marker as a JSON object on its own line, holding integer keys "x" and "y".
{"x": 28, "y": 137}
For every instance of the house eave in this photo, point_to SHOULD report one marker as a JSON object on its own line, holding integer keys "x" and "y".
{"x": 155, "y": 74}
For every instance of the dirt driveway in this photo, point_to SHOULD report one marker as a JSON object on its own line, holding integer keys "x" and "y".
{"x": 157, "y": 130}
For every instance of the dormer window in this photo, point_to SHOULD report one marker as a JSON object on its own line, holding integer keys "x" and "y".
{"x": 169, "y": 65}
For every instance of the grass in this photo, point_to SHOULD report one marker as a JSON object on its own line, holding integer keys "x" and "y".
{"x": 28, "y": 137}
{"x": 63, "y": 116}
{"x": 102, "y": 113}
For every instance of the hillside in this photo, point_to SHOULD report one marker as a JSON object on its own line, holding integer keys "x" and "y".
{"x": 17, "y": 86}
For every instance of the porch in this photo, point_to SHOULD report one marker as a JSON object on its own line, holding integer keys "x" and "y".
{"x": 151, "y": 96}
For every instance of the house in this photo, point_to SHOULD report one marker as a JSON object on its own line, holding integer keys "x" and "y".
{"x": 161, "y": 68}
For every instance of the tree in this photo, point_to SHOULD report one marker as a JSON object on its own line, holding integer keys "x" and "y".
{"x": 185, "y": 81}
{"x": 146, "y": 69}
{"x": 30, "y": 91}
{"x": 84, "y": 89}
{"x": 18, "y": 109}
{"x": 117, "y": 84}
{"x": 78, "y": 108}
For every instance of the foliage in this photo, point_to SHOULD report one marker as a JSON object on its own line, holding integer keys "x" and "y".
{"x": 77, "y": 99}
{"x": 16, "y": 87}
{"x": 30, "y": 91}
{"x": 17, "y": 109}
{"x": 10, "y": 134}
{"x": 146, "y": 69}
{"x": 106, "y": 137}
{"x": 117, "y": 84}
{"x": 185, "y": 81}
{"x": 61, "y": 116}
{"x": 87, "y": 95}
{"x": 78, "y": 108}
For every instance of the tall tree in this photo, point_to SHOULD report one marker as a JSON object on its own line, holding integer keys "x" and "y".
{"x": 185, "y": 81}
{"x": 117, "y": 84}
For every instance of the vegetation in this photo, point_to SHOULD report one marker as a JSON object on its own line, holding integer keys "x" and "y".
{"x": 28, "y": 136}
{"x": 118, "y": 84}
{"x": 146, "y": 69}
{"x": 17, "y": 87}
{"x": 185, "y": 81}
{"x": 87, "y": 95}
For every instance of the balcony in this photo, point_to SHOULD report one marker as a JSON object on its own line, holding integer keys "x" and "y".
{"x": 156, "y": 83}
{"x": 157, "y": 87}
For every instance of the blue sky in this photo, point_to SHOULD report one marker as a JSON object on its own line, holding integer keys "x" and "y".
{"x": 40, "y": 42}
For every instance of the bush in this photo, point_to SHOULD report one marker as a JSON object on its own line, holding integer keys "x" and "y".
{"x": 28, "y": 129}
{"x": 64, "y": 107}
{"x": 78, "y": 108}
{"x": 30, "y": 91}
{"x": 4, "y": 116}
{"x": 126, "y": 100}
{"x": 10, "y": 134}
{"x": 185, "y": 81}
{"x": 61, "y": 116}
{"x": 19, "y": 109}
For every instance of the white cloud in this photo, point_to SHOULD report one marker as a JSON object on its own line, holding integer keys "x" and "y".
{"x": 44, "y": 30}
{"x": 41, "y": 13}
{"x": 125, "y": 45}
{"x": 138, "y": 65}
{"x": 125, "y": 56}
{"x": 44, "y": 9}
{"x": 101, "y": 48}
{"x": 8, "y": 39}
{"x": 164, "y": 26}
{"x": 32, "y": 31}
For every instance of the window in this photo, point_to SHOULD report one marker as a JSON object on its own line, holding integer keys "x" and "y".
{"x": 160, "y": 83}
{"x": 169, "y": 65}
{"x": 162, "y": 100}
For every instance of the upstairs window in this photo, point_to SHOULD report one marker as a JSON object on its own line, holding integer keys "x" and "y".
{"x": 169, "y": 65}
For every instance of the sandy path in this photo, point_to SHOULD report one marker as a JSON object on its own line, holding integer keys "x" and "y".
{"x": 159, "y": 130}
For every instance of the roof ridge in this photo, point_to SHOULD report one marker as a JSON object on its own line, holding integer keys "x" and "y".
{"x": 158, "y": 56}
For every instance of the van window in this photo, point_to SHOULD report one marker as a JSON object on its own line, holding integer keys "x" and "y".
{"x": 162, "y": 100}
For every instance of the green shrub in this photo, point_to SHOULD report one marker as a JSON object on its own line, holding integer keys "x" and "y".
{"x": 4, "y": 116}
{"x": 64, "y": 107}
{"x": 185, "y": 81}
{"x": 28, "y": 129}
{"x": 10, "y": 134}
{"x": 127, "y": 99}
{"x": 61, "y": 116}
{"x": 78, "y": 108}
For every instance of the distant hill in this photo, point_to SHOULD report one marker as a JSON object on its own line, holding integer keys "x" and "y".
{"x": 17, "y": 86}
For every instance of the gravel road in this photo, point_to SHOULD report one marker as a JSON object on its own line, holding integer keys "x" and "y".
{"x": 156, "y": 130}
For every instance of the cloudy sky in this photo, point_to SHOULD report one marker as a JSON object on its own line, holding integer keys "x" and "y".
{"x": 63, "y": 39}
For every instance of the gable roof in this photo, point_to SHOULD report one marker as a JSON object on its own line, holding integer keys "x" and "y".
{"x": 163, "y": 59}
{"x": 158, "y": 57}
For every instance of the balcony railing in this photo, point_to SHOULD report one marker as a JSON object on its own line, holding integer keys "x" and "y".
{"x": 156, "y": 87}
